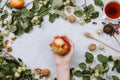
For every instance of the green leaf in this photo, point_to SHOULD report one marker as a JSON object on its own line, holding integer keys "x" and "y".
{"x": 4, "y": 16}
{"x": 35, "y": 6}
{"x": 89, "y": 57}
{"x": 1, "y": 74}
{"x": 27, "y": 13}
{"x": 90, "y": 8}
{"x": 82, "y": 65}
{"x": 57, "y": 3}
{"x": 61, "y": 14}
{"x": 8, "y": 5}
{"x": 102, "y": 58}
{"x": 43, "y": 11}
{"x": 99, "y": 3}
{"x": 94, "y": 15}
{"x": 20, "y": 29}
{"x": 50, "y": 1}
{"x": 118, "y": 69}
{"x": 114, "y": 77}
{"x": 73, "y": 1}
{"x": 79, "y": 13}
{"x": 0, "y": 1}
{"x": 106, "y": 68}
{"x": 78, "y": 73}
{"x": 85, "y": 72}
{"x": 29, "y": 28}
{"x": 28, "y": 72}
{"x": 52, "y": 17}
{"x": 86, "y": 77}
{"x": 99, "y": 67}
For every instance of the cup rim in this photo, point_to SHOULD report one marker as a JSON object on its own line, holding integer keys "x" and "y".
{"x": 104, "y": 9}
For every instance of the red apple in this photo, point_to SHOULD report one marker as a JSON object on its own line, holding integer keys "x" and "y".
{"x": 60, "y": 45}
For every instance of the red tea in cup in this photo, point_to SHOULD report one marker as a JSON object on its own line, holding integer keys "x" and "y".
{"x": 112, "y": 10}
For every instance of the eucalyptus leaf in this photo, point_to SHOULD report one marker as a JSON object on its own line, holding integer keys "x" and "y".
{"x": 79, "y": 13}
{"x": 89, "y": 57}
{"x": 57, "y": 3}
{"x": 82, "y": 65}
{"x": 102, "y": 58}
{"x": 114, "y": 77}
{"x": 78, "y": 73}
{"x": 61, "y": 14}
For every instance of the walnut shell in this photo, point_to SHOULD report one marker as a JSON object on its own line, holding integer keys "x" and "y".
{"x": 71, "y": 18}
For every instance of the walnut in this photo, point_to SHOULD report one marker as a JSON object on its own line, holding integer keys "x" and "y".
{"x": 68, "y": 9}
{"x": 14, "y": 38}
{"x": 37, "y": 70}
{"x": 92, "y": 47}
{"x": 46, "y": 72}
{"x": 9, "y": 49}
{"x": 71, "y": 18}
{"x": 5, "y": 43}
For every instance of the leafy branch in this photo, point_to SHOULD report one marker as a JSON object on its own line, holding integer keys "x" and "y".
{"x": 88, "y": 71}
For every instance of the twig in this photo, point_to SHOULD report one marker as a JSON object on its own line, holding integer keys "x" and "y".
{"x": 4, "y": 4}
{"x": 1, "y": 9}
{"x": 43, "y": 11}
{"x": 28, "y": 4}
{"x": 9, "y": 55}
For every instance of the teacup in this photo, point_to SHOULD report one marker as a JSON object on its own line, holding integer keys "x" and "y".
{"x": 112, "y": 10}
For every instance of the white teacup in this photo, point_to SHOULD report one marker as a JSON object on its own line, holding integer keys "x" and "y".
{"x": 112, "y": 10}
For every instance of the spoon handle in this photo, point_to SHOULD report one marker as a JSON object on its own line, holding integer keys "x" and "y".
{"x": 116, "y": 39}
{"x": 106, "y": 44}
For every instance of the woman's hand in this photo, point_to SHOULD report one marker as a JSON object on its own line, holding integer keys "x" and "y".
{"x": 65, "y": 59}
{"x": 63, "y": 62}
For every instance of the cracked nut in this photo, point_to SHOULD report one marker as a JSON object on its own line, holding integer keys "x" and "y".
{"x": 92, "y": 47}
{"x": 38, "y": 71}
{"x": 46, "y": 72}
{"x": 71, "y": 18}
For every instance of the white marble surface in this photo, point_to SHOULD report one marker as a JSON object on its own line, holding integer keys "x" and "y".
{"x": 34, "y": 47}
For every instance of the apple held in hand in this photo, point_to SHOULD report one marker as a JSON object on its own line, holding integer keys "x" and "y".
{"x": 60, "y": 45}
